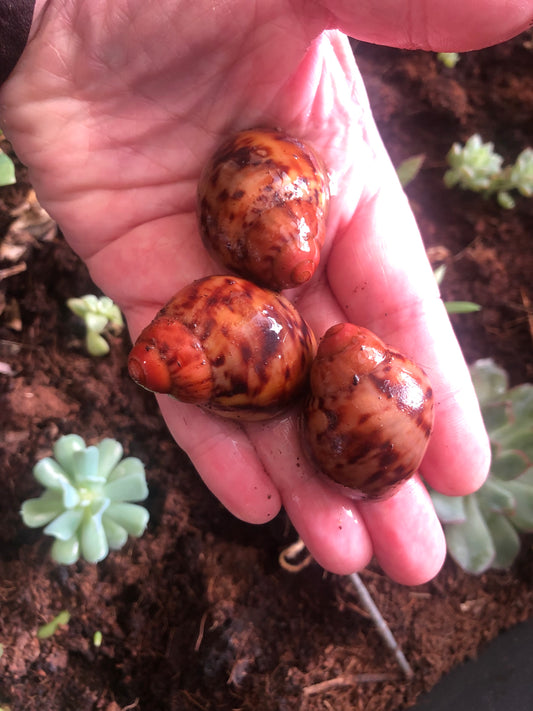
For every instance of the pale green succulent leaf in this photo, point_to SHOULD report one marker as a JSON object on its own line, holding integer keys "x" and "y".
{"x": 521, "y": 398}
{"x": 109, "y": 454}
{"x": 469, "y": 542}
{"x": 51, "y": 475}
{"x": 449, "y": 59}
{"x": 490, "y": 381}
{"x": 450, "y": 509}
{"x": 7, "y": 170}
{"x": 521, "y": 175}
{"x": 66, "y": 552}
{"x": 65, "y": 525}
{"x": 505, "y": 539}
{"x": 527, "y": 477}
{"x": 495, "y": 415}
{"x": 509, "y": 465}
{"x": 129, "y": 465}
{"x": 93, "y": 540}
{"x": 38, "y": 512}
{"x": 517, "y": 437}
{"x": 95, "y": 322}
{"x": 85, "y": 463}
{"x": 131, "y": 517}
{"x": 96, "y": 344}
{"x": 522, "y": 516}
{"x": 495, "y": 497}
{"x": 116, "y": 534}
{"x": 131, "y": 487}
{"x": 65, "y": 449}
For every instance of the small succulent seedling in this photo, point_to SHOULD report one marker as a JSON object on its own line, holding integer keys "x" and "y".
{"x": 409, "y": 169}
{"x": 99, "y": 314}
{"x": 87, "y": 504}
{"x": 476, "y": 166}
{"x": 482, "y": 529}
{"x": 7, "y": 170}
{"x": 50, "y": 628}
{"x": 449, "y": 59}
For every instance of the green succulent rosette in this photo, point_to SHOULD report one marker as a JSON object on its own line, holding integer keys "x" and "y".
{"x": 483, "y": 529}
{"x": 88, "y": 503}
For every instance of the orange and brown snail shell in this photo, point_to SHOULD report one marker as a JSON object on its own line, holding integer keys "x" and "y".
{"x": 262, "y": 204}
{"x": 227, "y": 345}
{"x": 370, "y": 413}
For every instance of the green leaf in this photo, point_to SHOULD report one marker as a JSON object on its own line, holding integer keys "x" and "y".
{"x": 7, "y": 170}
{"x": 116, "y": 534}
{"x": 495, "y": 415}
{"x": 51, "y": 475}
{"x": 516, "y": 436}
{"x": 521, "y": 398}
{"x": 409, "y": 169}
{"x": 66, "y": 552}
{"x": 65, "y": 449}
{"x": 470, "y": 543}
{"x": 131, "y": 487}
{"x": 93, "y": 540}
{"x": 505, "y": 539}
{"x": 490, "y": 381}
{"x": 38, "y": 512}
{"x": 50, "y": 628}
{"x": 85, "y": 463}
{"x": 522, "y": 517}
{"x": 109, "y": 454}
{"x": 131, "y": 517}
{"x": 449, "y": 59}
{"x": 65, "y": 525}
{"x": 96, "y": 344}
{"x": 450, "y": 509}
{"x": 510, "y": 464}
{"x": 495, "y": 497}
{"x": 461, "y": 307}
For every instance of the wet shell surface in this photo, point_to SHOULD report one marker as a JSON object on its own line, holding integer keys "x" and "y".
{"x": 262, "y": 205}
{"x": 227, "y": 345}
{"x": 370, "y": 413}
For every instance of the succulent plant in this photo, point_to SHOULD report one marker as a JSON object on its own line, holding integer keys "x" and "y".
{"x": 99, "y": 314}
{"x": 476, "y": 166}
{"x": 7, "y": 169}
{"x": 87, "y": 503}
{"x": 449, "y": 59}
{"x": 482, "y": 529}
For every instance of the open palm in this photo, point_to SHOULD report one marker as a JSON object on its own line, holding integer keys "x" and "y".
{"x": 115, "y": 107}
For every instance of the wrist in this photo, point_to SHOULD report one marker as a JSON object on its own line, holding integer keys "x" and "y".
{"x": 15, "y": 26}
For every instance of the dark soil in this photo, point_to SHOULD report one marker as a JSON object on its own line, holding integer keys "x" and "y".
{"x": 198, "y": 613}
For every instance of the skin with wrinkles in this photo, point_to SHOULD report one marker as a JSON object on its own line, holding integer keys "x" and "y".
{"x": 370, "y": 413}
{"x": 116, "y": 105}
{"x": 262, "y": 205}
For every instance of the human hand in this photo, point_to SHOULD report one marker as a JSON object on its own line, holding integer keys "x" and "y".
{"x": 116, "y": 107}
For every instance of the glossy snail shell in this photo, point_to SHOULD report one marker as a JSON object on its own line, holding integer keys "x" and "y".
{"x": 227, "y": 345}
{"x": 262, "y": 204}
{"x": 370, "y": 413}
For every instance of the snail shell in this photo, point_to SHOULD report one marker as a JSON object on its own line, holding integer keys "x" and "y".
{"x": 370, "y": 413}
{"x": 262, "y": 204}
{"x": 227, "y": 345}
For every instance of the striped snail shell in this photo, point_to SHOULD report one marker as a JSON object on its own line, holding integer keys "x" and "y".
{"x": 370, "y": 413}
{"x": 227, "y": 345}
{"x": 262, "y": 205}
